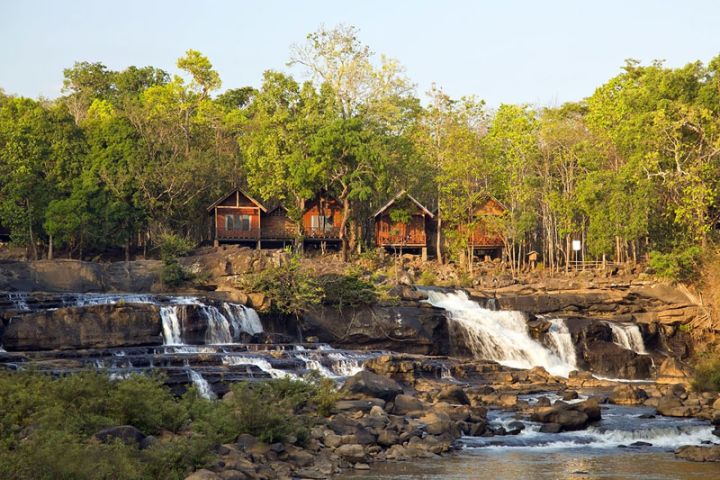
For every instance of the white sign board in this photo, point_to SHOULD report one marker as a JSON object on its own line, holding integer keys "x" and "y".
{"x": 576, "y": 245}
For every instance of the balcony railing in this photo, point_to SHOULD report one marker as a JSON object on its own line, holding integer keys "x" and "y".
{"x": 323, "y": 233}
{"x": 408, "y": 240}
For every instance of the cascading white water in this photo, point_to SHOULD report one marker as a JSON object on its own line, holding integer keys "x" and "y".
{"x": 172, "y": 333}
{"x": 562, "y": 343}
{"x": 19, "y": 300}
{"x": 313, "y": 364}
{"x": 502, "y": 336}
{"x": 243, "y": 319}
{"x": 202, "y": 385}
{"x": 628, "y": 336}
{"x": 261, "y": 363}
{"x": 345, "y": 365}
{"x": 218, "y": 327}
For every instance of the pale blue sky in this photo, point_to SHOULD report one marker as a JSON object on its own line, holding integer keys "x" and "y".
{"x": 542, "y": 52}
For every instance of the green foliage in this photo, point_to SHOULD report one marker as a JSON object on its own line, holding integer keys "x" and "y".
{"x": 172, "y": 246}
{"x": 706, "y": 377}
{"x": 679, "y": 265}
{"x": 292, "y": 290}
{"x": 173, "y": 274}
{"x": 48, "y": 423}
{"x": 345, "y": 291}
{"x": 427, "y": 278}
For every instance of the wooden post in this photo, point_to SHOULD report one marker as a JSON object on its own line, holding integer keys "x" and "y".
{"x": 424, "y": 254}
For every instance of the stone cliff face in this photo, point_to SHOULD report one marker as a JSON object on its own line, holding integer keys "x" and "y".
{"x": 409, "y": 327}
{"x": 97, "y": 326}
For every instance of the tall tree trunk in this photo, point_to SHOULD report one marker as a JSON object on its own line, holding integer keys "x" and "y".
{"x": 31, "y": 235}
{"x": 343, "y": 224}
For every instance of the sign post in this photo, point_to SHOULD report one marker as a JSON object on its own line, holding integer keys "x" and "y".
{"x": 576, "y": 245}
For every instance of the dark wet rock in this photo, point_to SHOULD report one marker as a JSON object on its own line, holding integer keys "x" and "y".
{"x": 551, "y": 428}
{"x": 126, "y": 434}
{"x": 611, "y": 360}
{"x": 97, "y": 326}
{"x": 454, "y": 394}
{"x": 516, "y": 426}
{"x": 372, "y": 385}
{"x": 641, "y": 444}
{"x": 569, "y": 395}
{"x": 569, "y": 417}
{"x": 407, "y": 404}
{"x": 416, "y": 328}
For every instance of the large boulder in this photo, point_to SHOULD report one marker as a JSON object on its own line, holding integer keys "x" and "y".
{"x": 568, "y": 417}
{"x": 628, "y": 395}
{"x": 699, "y": 454}
{"x": 372, "y": 385}
{"x": 611, "y": 360}
{"x": 453, "y": 394}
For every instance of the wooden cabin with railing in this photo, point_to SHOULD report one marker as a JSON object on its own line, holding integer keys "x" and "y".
{"x": 322, "y": 217}
{"x": 487, "y": 237}
{"x": 402, "y": 224}
{"x": 237, "y": 218}
{"x": 278, "y": 229}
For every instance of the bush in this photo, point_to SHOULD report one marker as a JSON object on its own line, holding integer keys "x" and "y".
{"x": 427, "y": 278}
{"x": 173, "y": 246}
{"x": 292, "y": 291}
{"x": 678, "y": 265}
{"x": 707, "y": 375}
{"x": 347, "y": 291}
{"x": 175, "y": 275}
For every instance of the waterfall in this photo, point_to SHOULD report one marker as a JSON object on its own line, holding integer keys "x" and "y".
{"x": 503, "y": 336}
{"x": 19, "y": 300}
{"x": 628, "y": 336}
{"x": 313, "y": 364}
{"x": 172, "y": 333}
{"x": 261, "y": 363}
{"x": 202, "y": 385}
{"x": 345, "y": 365}
{"x": 562, "y": 343}
{"x": 243, "y": 319}
{"x": 218, "y": 327}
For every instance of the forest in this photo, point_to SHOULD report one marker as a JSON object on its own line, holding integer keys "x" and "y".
{"x": 123, "y": 157}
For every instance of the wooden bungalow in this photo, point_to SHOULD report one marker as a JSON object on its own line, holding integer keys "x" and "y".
{"x": 277, "y": 228}
{"x": 487, "y": 238}
{"x": 236, "y": 218}
{"x": 322, "y": 217}
{"x": 411, "y": 234}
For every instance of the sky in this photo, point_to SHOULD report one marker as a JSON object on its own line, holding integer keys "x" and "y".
{"x": 539, "y": 52}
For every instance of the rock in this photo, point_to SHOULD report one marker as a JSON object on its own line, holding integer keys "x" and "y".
{"x": 203, "y": 474}
{"x": 628, "y": 395}
{"x": 516, "y": 427}
{"x": 566, "y": 416}
{"x": 397, "y": 452}
{"x": 362, "y": 466}
{"x": 453, "y": 394}
{"x": 569, "y": 395}
{"x": 672, "y": 406}
{"x": 699, "y": 454}
{"x": 591, "y": 408}
{"x": 353, "y": 453}
{"x": 301, "y": 458}
{"x": 358, "y": 405}
{"x": 551, "y": 428}
{"x": 406, "y": 404}
{"x": 259, "y": 302}
{"x": 543, "y": 402}
{"x": 95, "y": 326}
{"x": 372, "y": 385}
{"x": 246, "y": 441}
{"x": 233, "y": 475}
{"x": 611, "y": 360}
{"x": 641, "y": 444}
{"x": 127, "y": 434}
{"x": 436, "y": 422}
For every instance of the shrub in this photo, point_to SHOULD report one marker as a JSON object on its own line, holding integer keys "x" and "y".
{"x": 427, "y": 278}
{"x": 678, "y": 265}
{"x": 175, "y": 275}
{"x": 347, "y": 291}
{"x": 172, "y": 246}
{"x": 707, "y": 375}
{"x": 292, "y": 291}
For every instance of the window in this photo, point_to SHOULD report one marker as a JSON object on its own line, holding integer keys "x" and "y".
{"x": 321, "y": 223}
{"x": 238, "y": 223}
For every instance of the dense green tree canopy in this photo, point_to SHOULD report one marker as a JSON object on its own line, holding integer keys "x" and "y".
{"x": 126, "y": 156}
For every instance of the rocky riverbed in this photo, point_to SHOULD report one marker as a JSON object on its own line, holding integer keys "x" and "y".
{"x": 434, "y": 373}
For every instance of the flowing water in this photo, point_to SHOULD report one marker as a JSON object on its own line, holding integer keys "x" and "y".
{"x": 202, "y": 385}
{"x": 628, "y": 336}
{"x": 604, "y": 451}
{"x": 503, "y": 336}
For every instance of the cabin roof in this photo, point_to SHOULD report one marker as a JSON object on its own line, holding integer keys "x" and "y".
{"x": 238, "y": 190}
{"x": 400, "y": 195}
{"x": 489, "y": 198}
